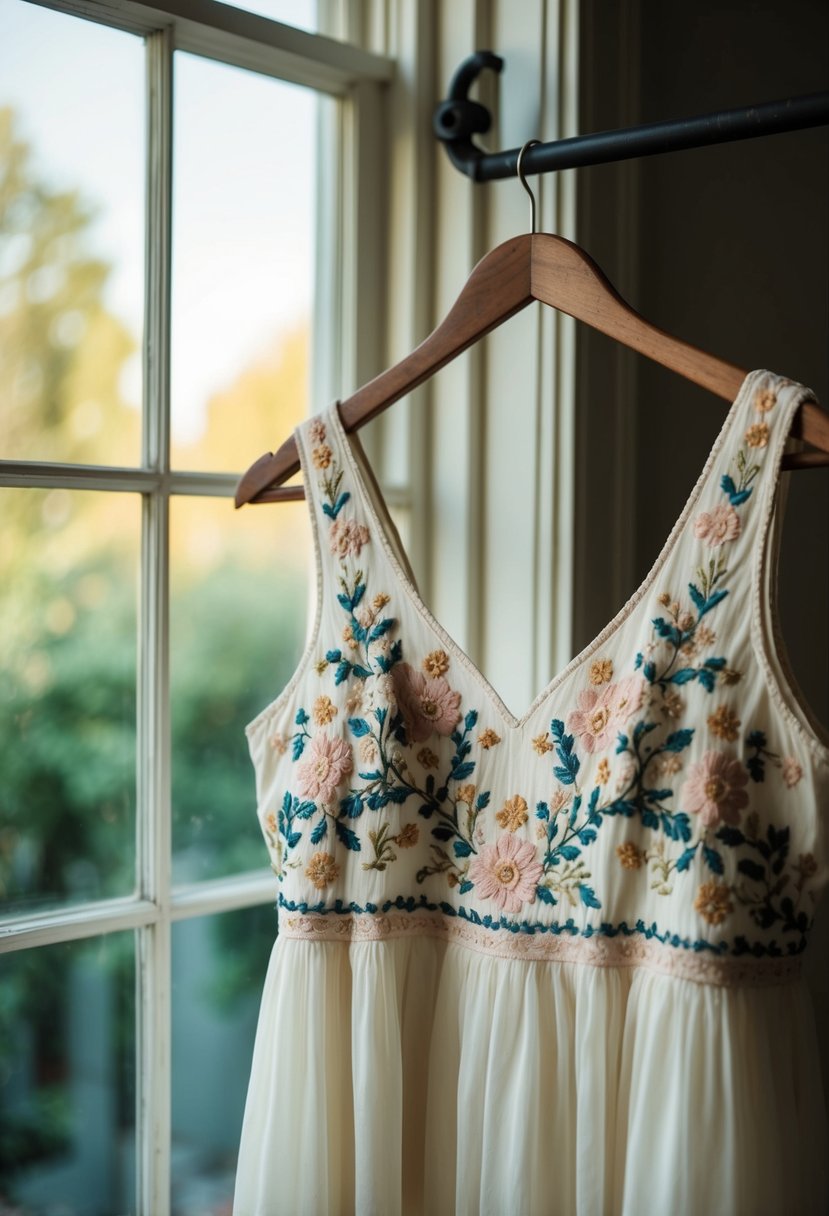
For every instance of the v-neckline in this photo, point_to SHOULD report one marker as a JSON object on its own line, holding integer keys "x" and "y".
{"x": 377, "y": 508}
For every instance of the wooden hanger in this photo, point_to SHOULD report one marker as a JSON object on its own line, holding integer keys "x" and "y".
{"x": 554, "y": 271}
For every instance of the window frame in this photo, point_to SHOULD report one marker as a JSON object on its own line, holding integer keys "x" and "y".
{"x": 349, "y": 240}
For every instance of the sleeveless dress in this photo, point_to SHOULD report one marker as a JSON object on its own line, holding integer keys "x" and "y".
{"x": 548, "y": 964}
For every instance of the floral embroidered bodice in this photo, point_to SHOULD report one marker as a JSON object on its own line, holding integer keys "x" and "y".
{"x": 661, "y": 802}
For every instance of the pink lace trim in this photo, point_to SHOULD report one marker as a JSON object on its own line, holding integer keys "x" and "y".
{"x": 596, "y": 951}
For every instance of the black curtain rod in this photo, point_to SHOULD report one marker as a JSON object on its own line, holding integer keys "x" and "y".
{"x": 458, "y": 118}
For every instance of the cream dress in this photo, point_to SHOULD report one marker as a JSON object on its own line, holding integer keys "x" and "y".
{"x": 547, "y": 964}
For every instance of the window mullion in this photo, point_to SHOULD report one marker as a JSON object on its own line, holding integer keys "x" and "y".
{"x": 153, "y": 1119}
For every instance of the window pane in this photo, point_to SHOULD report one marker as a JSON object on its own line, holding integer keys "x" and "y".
{"x": 301, "y": 13}
{"x": 71, "y": 237}
{"x": 243, "y": 221}
{"x": 219, "y": 965}
{"x": 238, "y": 618}
{"x": 67, "y": 1079}
{"x": 68, "y": 565}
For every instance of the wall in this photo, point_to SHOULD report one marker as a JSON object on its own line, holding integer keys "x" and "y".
{"x": 726, "y": 247}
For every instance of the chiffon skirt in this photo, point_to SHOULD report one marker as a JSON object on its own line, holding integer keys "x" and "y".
{"x": 416, "y": 1077}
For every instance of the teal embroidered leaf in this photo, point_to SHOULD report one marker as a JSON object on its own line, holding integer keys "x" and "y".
{"x": 398, "y": 793}
{"x": 751, "y": 869}
{"x": 574, "y": 811}
{"x": 342, "y": 672}
{"x": 380, "y": 714}
{"x": 359, "y": 592}
{"x": 287, "y": 802}
{"x": 320, "y": 831}
{"x": 757, "y": 738}
{"x": 306, "y": 809}
{"x": 707, "y": 679}
{"x": 713, "y": 859}
{"x": 678, "y": 740}
{"x": 697, "y": 596}
{"x": 649, "y": 671}
{"x": 712, "y": 602}
{"x": 462, "y": 848}
{"x": 374, "y": 775}
{"x": 684, "y": 860}
{"x": 347, "y": 837}
{"x": 588, "y": 896}
{"x": 380, "y": 628}
{"x": 545, "y": 895}
{"x": 716, "y": 664}
{"x": 682, "y": 676}
{"x": 470, "y": 719}
{"x": 569, "y": 852}
{"x": 463, "y": 770}
{"x": 677, "y": 827}
{"x": 293, "y": 839}
{"x": 587, "y": 835}
{"x": 622, "y": 744}
{"x": 362, "y": 672}
{"x": 301, "y": 717}
{"x": 352, "y": 804}
{"x": 542, "y": 810}
{"x": 333, "y": 656}
{"x": 443, "y": 831}
{"x": 482, "y": 801}
{"x": 465, "y": 886}
{"x": 359, "y": 727}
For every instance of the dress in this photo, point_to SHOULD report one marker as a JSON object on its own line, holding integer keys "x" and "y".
{"x": 547, "y": 965}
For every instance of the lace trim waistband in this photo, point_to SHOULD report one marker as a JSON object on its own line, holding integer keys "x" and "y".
{"x": 595, "y": 951}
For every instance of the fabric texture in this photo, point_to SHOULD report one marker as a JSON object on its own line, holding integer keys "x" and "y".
{"x": 547, "y": 964}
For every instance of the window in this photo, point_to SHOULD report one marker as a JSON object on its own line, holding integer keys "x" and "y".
{"x": 163, "y": 319}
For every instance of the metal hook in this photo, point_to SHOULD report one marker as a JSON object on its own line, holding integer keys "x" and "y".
{"x": 529, "y": 144}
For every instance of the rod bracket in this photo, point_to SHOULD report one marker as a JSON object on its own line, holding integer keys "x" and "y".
{"x": 458, "y": 118}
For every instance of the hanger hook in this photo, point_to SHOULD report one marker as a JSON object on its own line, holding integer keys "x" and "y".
{"x": 529, "y": 144}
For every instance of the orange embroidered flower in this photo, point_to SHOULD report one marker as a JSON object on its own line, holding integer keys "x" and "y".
{"x": 730, "y": 676}
{"x": 603, "y": 771}
{"x": 807, "y": 865}
{"x": 368, "y": 749}
{"x": 724, "y": 723}
{"x": 322, "y": 870}
{"x": 321, "y": 456}
{"x": 601, "y": 670}
{"x": 354, "y": 700}
{"x": 426, "y": 758}
{"x": 408, "y": 836}
{"x": 320, "y": 666}
{"x": 713, "y": 902}
{"x": 764, "y": 400}
{"x": 488, "y": 739}
{"x": 513, "y": 814}
{"x": 543, "y": 743}
{"x": 672, "y": 705}
{"x": 279, "y": 743}
{"x": 436, "y": 663}
{"x": 629, "y": 855}
{"x": 324, "y": 711}
{"x": 270, "y": 822}
{"x": 757, "y": 435}
{"x": 558, "y": 800}
{"x": 380, "y": 601}
{"x": 466, "y": 793}
{"x": 665, "y": 599}
{"x": 349, "y": 638}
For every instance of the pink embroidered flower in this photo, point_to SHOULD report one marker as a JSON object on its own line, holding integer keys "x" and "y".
{"x": 507, "y": 871}
{"x": 791, "y": 770}
{"x": 717, "y": 526}
{"x": 347, "y": 536}
{"x": 599, "y": 713}
{"x": 715, "y": 789}
{"x": 327, "y": 762}
{"x": 428, "y": 706}
{"x": 317, "y": 430}
{"x": 593, "y": 720}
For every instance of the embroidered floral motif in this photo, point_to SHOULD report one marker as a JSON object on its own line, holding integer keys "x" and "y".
{"x": 713, "y": 902}
{"x": 601, "y": 670}
{"x": 322, "y": 870}
{"x": 506, "y": 872}
{"x": 428, "y": 706}
{"x": 328, "y": 762}
{"x": 488, "y": 739}
{"x": 724, "y": 723}
{"x": 717, "y": 526}
{"x": 513, "y": 814}
{"x": 405, "y": 742}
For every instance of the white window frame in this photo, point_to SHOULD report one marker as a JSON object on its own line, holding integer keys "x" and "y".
{"x": 350, "y": 236}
